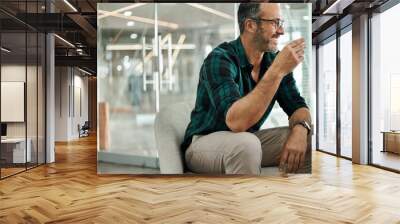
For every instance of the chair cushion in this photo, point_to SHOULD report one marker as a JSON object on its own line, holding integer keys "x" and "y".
{"x": 170, "y": 127}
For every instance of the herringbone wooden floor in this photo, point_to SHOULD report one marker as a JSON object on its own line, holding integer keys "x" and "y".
{"x": 70, "y": 191}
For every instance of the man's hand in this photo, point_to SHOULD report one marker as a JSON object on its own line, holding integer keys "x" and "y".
{"x": 294, "y": 150}
{"x": 290, "y": 56}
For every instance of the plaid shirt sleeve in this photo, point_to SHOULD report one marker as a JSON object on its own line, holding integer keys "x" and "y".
{"x": 218, "y": 76}
{"x": 288, "y": 95}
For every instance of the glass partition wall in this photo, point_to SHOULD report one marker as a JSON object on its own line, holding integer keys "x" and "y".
{"x": 22, "y": 88}
{"x": 149, "y": 56}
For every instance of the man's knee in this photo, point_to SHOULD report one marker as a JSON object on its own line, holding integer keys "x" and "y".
{"x": 245, "y": 156}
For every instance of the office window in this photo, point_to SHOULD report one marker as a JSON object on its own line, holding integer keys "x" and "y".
{"x": 346, "y": 94}
{"x": 385, "y": 84}
{"x": 327, "y": 96}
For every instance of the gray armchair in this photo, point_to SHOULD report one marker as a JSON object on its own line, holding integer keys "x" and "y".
{"x": 170, "y": 126}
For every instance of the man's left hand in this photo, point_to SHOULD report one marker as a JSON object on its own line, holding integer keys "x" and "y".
{"x": 294, "y": 150}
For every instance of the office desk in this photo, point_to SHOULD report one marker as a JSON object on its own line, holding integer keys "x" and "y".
{"x": 391, "y": 141}
{"x": 13, "y": 150}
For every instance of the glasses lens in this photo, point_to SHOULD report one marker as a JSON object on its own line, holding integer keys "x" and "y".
{"x": 280, "y": 23}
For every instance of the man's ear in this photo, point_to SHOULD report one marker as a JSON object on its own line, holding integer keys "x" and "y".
{"x": 250, "y": 26}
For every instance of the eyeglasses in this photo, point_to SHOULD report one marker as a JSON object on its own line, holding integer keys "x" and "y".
{"x": 279, "y": 23}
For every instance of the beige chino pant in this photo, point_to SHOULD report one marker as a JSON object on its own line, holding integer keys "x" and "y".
{"x": 226, "y": 152}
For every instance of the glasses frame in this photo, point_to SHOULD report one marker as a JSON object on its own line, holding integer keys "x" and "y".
{"x": 278, "y": 23}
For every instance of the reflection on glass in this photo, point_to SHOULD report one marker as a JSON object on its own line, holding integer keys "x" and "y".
{"x": 126, "y": 78}
{"x": 385, "y": 89}
{"x": 346, "y": 94}
{"x": 327, "y": 96}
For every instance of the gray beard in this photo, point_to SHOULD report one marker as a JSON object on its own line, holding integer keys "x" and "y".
{"x": 259, "y": 41}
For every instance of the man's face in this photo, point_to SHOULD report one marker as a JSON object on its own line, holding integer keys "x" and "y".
{"x": 268, "y": 32}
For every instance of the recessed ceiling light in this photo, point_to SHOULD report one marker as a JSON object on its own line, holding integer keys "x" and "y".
{"x": 5, "y": 50}
{"x": 64, "y": 40}
{"x": 127, "y": 13}
{"x": 130, "y": 23}
{"x": 70, "y": 5}
{"x": 133, "y": 36}
{"x": 84, "y": 71}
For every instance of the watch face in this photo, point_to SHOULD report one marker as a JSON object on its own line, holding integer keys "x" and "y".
{"x": 307, "y": 125}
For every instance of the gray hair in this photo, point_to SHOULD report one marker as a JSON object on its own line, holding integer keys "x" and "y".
{"x": 247, "y": 11}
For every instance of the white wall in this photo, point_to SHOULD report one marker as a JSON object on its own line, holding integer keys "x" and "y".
{"x": 70, "y": 83}
{"x": 12, "y": 73}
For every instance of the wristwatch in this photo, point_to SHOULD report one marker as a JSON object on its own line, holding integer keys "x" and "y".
{"x": 305, "y": 125}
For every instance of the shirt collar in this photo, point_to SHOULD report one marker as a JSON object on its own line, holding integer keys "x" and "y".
{"x": 244, "y": 62}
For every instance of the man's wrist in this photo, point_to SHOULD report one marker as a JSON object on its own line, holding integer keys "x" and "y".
{"x": 300, "y": 129}
{"x": 274, "y": 74}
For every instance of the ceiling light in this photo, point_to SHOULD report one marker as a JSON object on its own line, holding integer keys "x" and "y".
{"x": 210, "y": 10}
{"x": 133, "y": 36}
{"x": 113, "y": 13}
{"x": 337, "y": 7}
{"x": 84, "y": 71}
{"x": 65, "y": 41}
{"x": 5, "y": 50}
{"x": 130, "y": 23}
{"x": 119, "y": 68}
{"x": 70, "y": 5}
{"x": 143, "y": 20}
{"x": 127, "y": 13}
{"x": 79, "y": 50}
{"x": 131, "y": 47}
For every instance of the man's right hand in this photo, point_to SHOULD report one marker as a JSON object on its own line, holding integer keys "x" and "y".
{"x": 290, "y": 56}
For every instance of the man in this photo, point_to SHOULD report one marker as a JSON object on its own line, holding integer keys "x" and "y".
{"x": 238, "y": 86}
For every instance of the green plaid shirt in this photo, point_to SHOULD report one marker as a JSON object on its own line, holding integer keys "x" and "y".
{"x": 225, "y": 77}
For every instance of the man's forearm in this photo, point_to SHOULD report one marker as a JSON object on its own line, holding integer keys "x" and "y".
{"x": 248, "y": 110}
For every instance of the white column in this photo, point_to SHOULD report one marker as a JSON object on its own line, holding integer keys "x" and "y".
{"x": 50, "y": 99}
{"x": 360, "y": 90}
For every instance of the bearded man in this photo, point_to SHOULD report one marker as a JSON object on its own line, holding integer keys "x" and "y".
{"x": 239, "y": 83}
